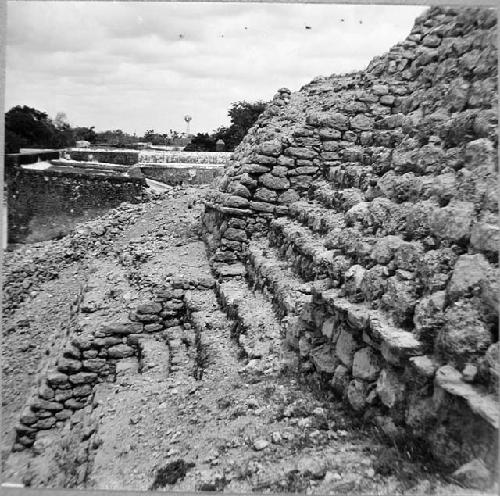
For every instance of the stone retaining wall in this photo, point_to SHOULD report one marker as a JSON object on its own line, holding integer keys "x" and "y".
{"x": 35, "y": 192}
{"x": 177, "y": 174}
{"x": 90, "y": 356}
{"x": 379, "y": 189}
{"x": 122, "y": 157}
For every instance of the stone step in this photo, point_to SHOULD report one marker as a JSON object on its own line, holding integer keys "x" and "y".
{"x": 276, "y": 279}
{"x": 386, "y": 272}
{"x": 351, "y": 175}
{"x": 314, "y": 215}
{"x": 155, "y": 356}
{"x": 257, "y": 329}
{"x": 340, "y": 200}
{"x": 480, "y": 402}
{"x": 304, "y": 249}
{"x": 371, "y": 326}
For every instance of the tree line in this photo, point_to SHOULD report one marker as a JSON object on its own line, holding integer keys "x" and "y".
{"x": 26, "y": 127}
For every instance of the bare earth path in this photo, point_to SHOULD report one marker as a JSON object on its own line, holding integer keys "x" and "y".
{"x": 207, "y": 409}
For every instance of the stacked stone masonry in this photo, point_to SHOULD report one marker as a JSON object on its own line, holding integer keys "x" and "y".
{"x": 91, "y": 355}
{"x": 365, "y": 206}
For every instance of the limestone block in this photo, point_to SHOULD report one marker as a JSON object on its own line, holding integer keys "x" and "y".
{"x": 63, "y": 414}
{"x": 45, "y": 391}
{"x": 274, "y": 182}
{"x": 279, "y": 170}
{"x": 239, "y": 188}
{"x": 453, "y": 222}
{"x": 82, "y": 390}
{"x": 301, "y": 153}
{"x": 380, "y": 89}
{"x": 40, "y": 404}
{"x": 93, "y": 365}
{"x": 328, "y": 328}
{"x": 330, "y": 134}
{"x": 262, "y": 207}
{"x": 265, "y": 195}
{"x": 345, "y": 348}
{"x": 366, "y": 364}
{"x": 468, "y": 273}
{"x": 285, "y": 161}
{"x": 254, "y": 169}
{"x": 234, "y": 201}
{"x": 263, "y": 160}
{"x": 305, "y": 169}
{"x": 485, "y": 237}
{"x": 385, "y": 248}
{"x": 44, "y": 424}
{"x": 272, "y": 148}
{"x": 474, "y": 475}
{"x": 323, "y": 358}
{"x": 55, "y": 379}
{"x": 83, "y": 378}
{"x": 361, "y": 122}
{"x": 246, "y": 180}
{"x": 332, "y": 119}
{"x": 149, "y": 307}
{"x": 289, "y": 196}
{"x": 425, "y": 366}
{"x": 340, "y": 379}
{"x": 390, "y": 389}
{"x": 400, "y": 299}
{"x": 71, "y": 352}
{"x": 74, "y": 404}
{"x": 356, "y": 394}
{"x": 28, "y": 417}
{"x": 235, "y": 234}
{"x": 428, "y": 316}
{"x": 124, "y": 328}
{"x": 464, "y": 335}
{"x": 484, "y": 405}
{"x": 63, "y": 395}
{"x": 387, "y": 100}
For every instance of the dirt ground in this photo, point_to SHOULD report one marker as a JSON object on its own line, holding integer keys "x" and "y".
{"x": 225, "y": 423}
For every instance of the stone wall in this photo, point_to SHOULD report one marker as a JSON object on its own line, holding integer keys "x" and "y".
{"x": 366, "y": 206}
{"x": 176, "y": 174}
{"x": 34, "y": 192}
{"x": 122, "y": 157}
{"x": 169, "y": 157}
{"x": 90, "y": 355}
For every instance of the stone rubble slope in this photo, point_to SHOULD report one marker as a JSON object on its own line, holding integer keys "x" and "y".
{"x": 365, "y": 206}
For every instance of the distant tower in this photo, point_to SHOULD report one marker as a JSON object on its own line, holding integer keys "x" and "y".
{"x": 187, "y": 118}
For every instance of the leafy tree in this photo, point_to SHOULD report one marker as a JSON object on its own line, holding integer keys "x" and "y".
{"x": 202, "y": 142}
{"x": 61, "y": 121}
{"x": 29, "y": 127}
{"x": 85, "y": 134}
{"x": 243, "y": 116}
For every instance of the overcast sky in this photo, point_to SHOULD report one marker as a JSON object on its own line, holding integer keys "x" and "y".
{"x": 137, "y": 66}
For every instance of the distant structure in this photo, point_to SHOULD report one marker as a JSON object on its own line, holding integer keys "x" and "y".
{"x": 220, "y": 145}
{"x": 143, "y": 144}
{"x": 82, "y": 144}
{"x": 187, "y": 118}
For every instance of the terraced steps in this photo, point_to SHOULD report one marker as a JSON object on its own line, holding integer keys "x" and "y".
{"x": 314, "y": 216}
{"x": 257, "y": 329}
{"x": 305, "y": 250}
{"x": 276, "y": 279}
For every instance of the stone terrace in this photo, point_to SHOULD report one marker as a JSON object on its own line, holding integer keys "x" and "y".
{"x": 365, "y": 207}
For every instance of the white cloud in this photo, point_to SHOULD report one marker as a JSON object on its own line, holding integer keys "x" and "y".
{"x": 138, "y": 66}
